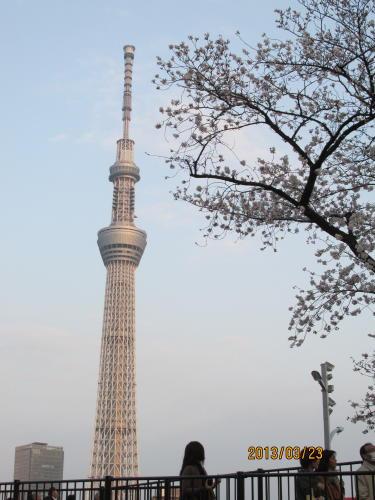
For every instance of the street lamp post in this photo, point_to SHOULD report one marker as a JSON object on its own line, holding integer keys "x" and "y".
{"x": 323, "y": 378}
{"x": 336, "y": 430}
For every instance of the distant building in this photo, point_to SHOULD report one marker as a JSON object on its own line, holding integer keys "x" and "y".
{"x": 39, "y": 462}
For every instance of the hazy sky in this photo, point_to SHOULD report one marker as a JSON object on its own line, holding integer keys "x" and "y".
{"x": 214, "y": 363}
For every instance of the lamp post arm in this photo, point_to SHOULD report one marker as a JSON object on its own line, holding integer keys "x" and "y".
{"x": 324, "y": 389}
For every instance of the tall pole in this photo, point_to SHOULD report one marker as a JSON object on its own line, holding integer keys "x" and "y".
{"x": 325, "y": 399}
{"x": 323, "y": 379}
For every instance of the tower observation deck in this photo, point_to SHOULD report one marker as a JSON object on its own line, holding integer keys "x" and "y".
{"x": 121, "y": 244}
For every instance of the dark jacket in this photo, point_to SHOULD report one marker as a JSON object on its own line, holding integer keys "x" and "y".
{"x": 304, "y": 485}
{"x": 195, "y": 489}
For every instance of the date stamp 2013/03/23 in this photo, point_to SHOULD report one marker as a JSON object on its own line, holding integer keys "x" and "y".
{"x": 284, "y": 452}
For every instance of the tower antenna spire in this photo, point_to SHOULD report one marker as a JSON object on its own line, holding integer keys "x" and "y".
{"x": 127, "y": 101}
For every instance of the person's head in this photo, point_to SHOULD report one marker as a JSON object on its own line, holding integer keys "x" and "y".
{"x": 71, "y": 497}
{"x": 52, "y": 492}
{"x": 309, "y": 458}
{"x": 194, "y": 455}
{"x": 367, "y": 452}
{"x": 328, "y": 461}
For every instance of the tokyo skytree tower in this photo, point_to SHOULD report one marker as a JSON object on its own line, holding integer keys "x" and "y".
{"x": 121, "y": 244}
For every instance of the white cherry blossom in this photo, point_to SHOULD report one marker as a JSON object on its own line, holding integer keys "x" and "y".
{"x": 316, "y": 93}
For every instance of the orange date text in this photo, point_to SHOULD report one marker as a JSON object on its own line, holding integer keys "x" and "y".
{"x": 284, "y": 452}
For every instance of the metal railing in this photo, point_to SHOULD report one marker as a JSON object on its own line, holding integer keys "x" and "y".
{"x": 270, "y": 484}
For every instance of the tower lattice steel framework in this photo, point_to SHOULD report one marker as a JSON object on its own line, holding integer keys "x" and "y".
{"x": 121, "y": 244}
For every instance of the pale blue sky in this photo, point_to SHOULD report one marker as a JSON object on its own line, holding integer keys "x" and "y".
{"x": 213, "y": 358}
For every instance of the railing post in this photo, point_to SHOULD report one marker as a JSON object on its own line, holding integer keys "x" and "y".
{"x": 159, "y": 495}
{"x": 108, "y": 487}
{"x": 240, "y": 486}
{"x": 101, "y": 493}
{"x": 260, "y": 484}
{"x": 280, "y": 488}
{"x": 167, "y": 490}
{"x": 16, "y": 489}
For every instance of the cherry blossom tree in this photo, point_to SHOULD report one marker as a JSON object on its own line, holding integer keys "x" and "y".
{"x": 365, "y": 410}
{"x": 312, "y": 90}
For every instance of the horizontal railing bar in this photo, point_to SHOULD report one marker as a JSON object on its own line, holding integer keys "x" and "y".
{"x": 341, "y": 464}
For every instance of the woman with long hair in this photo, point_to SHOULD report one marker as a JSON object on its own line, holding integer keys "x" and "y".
{"x": 197, "y": 488}
{"x": 329, "y": 487}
